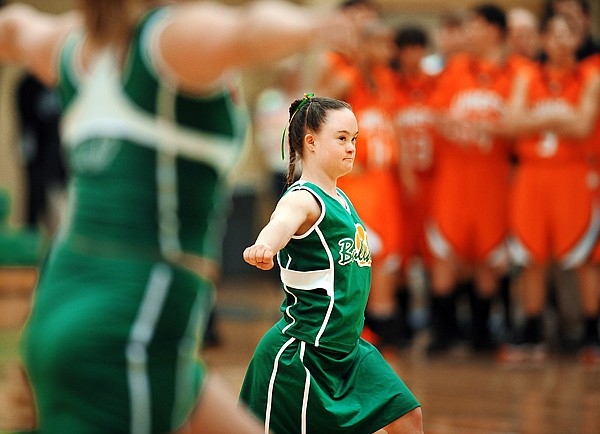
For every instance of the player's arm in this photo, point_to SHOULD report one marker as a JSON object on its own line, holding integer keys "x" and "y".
{"x": 329, "y": 80}
{"x": 580, "y": 123}
{"x": 577, "y": 124}
{"x": 31, "y": 38}
{"x": 295, "y": 213}
{"x": 518, "y": 120}
{"x": 203, "y": 39}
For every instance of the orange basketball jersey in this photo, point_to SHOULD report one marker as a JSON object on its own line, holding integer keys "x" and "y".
{"x": 552, "y": 209}
{"x": 414, "y": 120}
{"x": 470, "y": 191}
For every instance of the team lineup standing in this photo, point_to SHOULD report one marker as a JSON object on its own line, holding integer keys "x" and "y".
{"x": 459, "y": 164}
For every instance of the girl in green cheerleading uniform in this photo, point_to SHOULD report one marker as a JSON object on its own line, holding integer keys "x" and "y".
{"x": 311, "y": 372}
{"x": 151, "y": 127}
{"x": 124, "y": 292}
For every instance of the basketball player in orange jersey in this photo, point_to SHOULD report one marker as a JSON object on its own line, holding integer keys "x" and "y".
{"x": 468, "y": 229}
{"x": 589, "y": 353}
{"x": 594, "y": 142}
{"x": 553, "y": 211}
{"x": 414, "y": 122}
{"x": 365, "y": 82}
{"x": 593, "y": 148}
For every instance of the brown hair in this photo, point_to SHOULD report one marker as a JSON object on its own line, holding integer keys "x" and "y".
{"x": 112, "y": 21}
{"x": 304, "y": 117}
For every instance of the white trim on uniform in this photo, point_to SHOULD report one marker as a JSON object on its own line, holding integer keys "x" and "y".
{"x": 581, "y": 251}
{"x": 285, "y": 288}
{"x": 303, "y": 424}
{"x": 150, "y": 46}
{"x": 300, "y": 186}
{"x": 518, "y": 252}
{"x": 187, "y": 348}
{"x": 272, "y": 384}
{"x": 439, "y": 246}
{"x": 346, "y": 200}
{"x": 306, "y": 280}
{"x": 499, "y": 256}
{"x": 136, "y": 350}
{"x": 287, "y": 309}
{"x": 101, "y": 109}
{"x": 77, "y": 71}
{"x": 329, "y": 286}
{"x": 166, "y": 178}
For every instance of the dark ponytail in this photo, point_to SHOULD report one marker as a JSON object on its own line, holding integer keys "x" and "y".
{"x": 307, "y": 114}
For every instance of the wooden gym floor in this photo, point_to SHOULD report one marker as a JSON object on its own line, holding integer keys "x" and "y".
{"x": 460, "y": 393}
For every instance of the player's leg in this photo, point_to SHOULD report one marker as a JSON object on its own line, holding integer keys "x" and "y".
{"x": 487, "y": 280}
{"x": 385, "y": 226}
{"x": 528, "y": 342}
{"x": 575, "y": 236}
{"x": 588, "y": 277}
{"x": 382, "y": 316}
{"x": 218, "y": 412}
{"x": 444, "y": 327}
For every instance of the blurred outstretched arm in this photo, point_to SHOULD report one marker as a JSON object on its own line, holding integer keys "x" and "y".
{"x": 31, "y": 38}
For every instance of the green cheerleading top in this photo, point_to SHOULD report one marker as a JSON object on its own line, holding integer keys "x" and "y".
{"x": 148, "y": 161}
{"x": 326, "y": 275}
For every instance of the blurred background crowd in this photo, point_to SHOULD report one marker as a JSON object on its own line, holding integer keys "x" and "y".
{"x": 476, "y": 172}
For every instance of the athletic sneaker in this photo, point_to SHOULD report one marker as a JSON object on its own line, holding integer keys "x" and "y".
{"x": 589, "y": 354}
{"x": 527, "y": 346}
{"x": 389, "y": 331}
{"x": 525, "y": 353}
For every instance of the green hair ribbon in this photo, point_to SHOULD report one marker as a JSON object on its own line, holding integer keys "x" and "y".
{"x": 307, "y": 97}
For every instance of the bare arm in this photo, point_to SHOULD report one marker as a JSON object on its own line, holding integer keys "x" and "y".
{"x": 580, "y": 123}
{"x": 575, "y": 125}
{"x": 30, "y": 38}
{"x": 295, "y": 213}
{"x": 203, "y": 39}
{"x": 329, "y": 82}
{"x": 518, "y": 119}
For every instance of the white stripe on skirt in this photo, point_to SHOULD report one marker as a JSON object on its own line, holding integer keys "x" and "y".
{"x": 136, "y": 350}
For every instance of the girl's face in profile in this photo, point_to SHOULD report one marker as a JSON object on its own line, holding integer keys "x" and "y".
{"x": 335, "y": 143}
